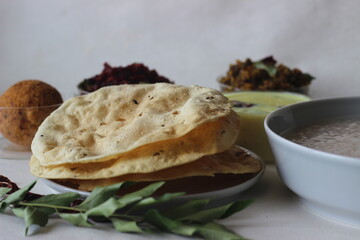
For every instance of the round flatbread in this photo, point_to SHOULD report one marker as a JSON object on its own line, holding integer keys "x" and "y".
{"x": 233, "y": 161}
{"x": 207, "y": 139}
{"x": 113, "y": 121}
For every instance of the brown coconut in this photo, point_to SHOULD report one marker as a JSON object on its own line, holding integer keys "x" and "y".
{"x": 23, "y": 107}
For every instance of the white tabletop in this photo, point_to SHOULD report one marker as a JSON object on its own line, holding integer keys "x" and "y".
{"x": 275, "y": 214}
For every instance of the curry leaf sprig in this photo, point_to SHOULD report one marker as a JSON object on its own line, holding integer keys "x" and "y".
{"x": 135, "y": 212}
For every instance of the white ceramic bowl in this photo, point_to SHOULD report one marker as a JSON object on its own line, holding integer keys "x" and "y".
{"x": 326, "y": 183}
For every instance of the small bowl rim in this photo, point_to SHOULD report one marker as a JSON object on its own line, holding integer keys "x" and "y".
{"x": 326, "y": 155}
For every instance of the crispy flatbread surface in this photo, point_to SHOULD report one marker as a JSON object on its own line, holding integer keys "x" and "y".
{"x": 118, "y": 120}
{"x": 233, "y": 161}
{"x": 209, "y": 138}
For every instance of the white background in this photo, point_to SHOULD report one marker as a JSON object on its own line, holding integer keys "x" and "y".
{"x": 188, "y": 41}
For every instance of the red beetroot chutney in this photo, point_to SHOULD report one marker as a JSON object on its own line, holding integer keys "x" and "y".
{"x": 132, "y": 74}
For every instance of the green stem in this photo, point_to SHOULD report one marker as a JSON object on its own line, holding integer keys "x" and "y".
{"x": 123, "y": 216}
{"x": 50, "y": 206}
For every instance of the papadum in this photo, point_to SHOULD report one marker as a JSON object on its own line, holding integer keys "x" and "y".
{"x": 119, "y": 119}
{"x": 233, "y": 161}
{"x": 143, "y": 132}
{"x": 209, "y": 138}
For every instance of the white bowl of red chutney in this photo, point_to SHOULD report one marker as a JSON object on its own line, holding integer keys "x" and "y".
{"x": 316, "y": 145}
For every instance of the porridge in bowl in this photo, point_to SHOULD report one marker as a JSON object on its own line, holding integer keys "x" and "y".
{"x": 338, "y": 136}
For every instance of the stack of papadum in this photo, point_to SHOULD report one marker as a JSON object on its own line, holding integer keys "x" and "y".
{"x": 144, "y": 132}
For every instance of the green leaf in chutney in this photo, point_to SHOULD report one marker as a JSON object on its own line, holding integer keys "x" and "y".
{"x": 77, "y": 219}
{"x": 52, "y": 201}
{"x": 163, "y": 223}
{"x": 100, "y": 195}
{"x": 33, "y": 216}
{"x": 214, "y": 231}
{"x": 308, "y": 76}
{"x": 187, "y": 208}
{"x": 271, "y": 70}
{"x": 121, "y": 225}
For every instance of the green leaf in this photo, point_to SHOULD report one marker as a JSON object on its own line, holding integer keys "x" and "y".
{"x": 77, "y": 219}
{"x": 163, "y": 198}
{"x": 100, "y": 195}
{"x": 271, "y": 70}
{"x": 107, "y": 208}
{"x": 49, "y": 203}
{"x": 19, "y": 194}
{"x": 110, "y": 206}
{"x": 211, "y": 214}
{"x": 191, "y": 218}
{"x": 4, "y": 191}
{"x": 236, "y": 207}
{"x": 19, "y": 212}
{"x": 186, "y": 208}
{"x": 168, "y": 196}
{"x": 166, "y": 224}
{"x": 306, "y": 75}
{"x": 33, "y": 216}
{"x": 15, "y": 196}
{"x": 214, "y": 231}
{"x": 147, "y": 202}
{"x": 144, "y": 192}
{"x": 3, "y": 205}
{"x": 126, "y": 226}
